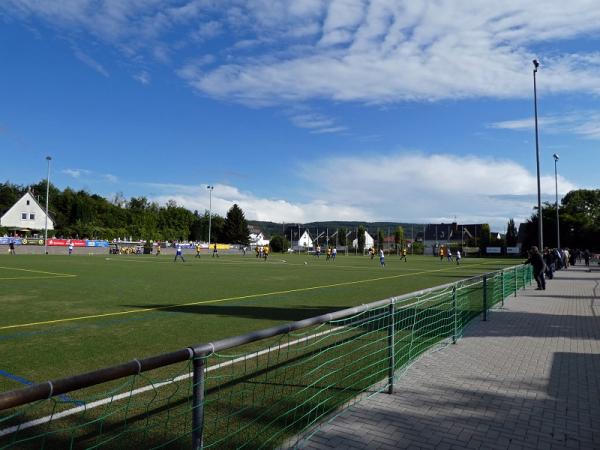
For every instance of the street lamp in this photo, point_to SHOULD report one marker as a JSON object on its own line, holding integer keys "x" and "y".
{"x": 536, "y": 64}
{"x": 48, "y": 158}
{"x": 210, "y": 189}
{"x": 556, "y": 158}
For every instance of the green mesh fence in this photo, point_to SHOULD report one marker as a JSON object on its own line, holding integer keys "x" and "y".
{"x": 263, "y": 394}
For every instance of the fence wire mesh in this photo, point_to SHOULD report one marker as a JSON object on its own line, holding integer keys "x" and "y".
{"x": 263, "y": 394}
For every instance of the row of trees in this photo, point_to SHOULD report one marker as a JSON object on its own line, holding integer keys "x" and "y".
{"x": 579, "y": 220}
{"x": 79, "y": 214}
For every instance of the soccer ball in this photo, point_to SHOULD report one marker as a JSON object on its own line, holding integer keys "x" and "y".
{"x": 305, "y": 263}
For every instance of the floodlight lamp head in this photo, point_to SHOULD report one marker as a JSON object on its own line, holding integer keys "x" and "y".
{"x": 48, "y": 158}
{"x": 536, "y": 64}
{"x": 555, "y": 156}
{"x": 210, "y": 187}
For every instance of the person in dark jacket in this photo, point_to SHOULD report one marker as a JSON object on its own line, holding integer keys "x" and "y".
{"x": 549, "y": 260}
{"x": 537, "y": 262}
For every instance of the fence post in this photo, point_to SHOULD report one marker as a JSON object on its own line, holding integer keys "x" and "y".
{"x": 516, "y": 281}
{"x": 485, "y": 297}
{"x": 391, "y": 347}
{"x": 502, "y": 279}
{"x": 455, "y": 313}
{"x": 524, "y": 277}
{"x": 198, "y": 403}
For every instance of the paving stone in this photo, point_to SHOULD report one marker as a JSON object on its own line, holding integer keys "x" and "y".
{"x": 528, "y": 377}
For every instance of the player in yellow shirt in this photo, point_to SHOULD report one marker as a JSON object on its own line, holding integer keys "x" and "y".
{"x": 197, "y": 251}
{"x": 403, "y": 255}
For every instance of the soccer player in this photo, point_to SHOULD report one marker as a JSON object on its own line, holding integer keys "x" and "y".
{"x": 215, "y": 251}
{"x": 403, "y": 255}
{"x": 197, "y": 250}
{"x": 265, "y": 252}
{"x": 11, "y": 248}
{"x": 381, "y": 258}
{"x": 333, "y": 253}
{"x": 179, "y": 252}
{"x": 158, "y": 249}
{"x": 441, "y": 253}
{"x": 328, "y": 254}
{"x": 449, "y": 255}
{"x": 458, "y": 257}
{"x": 70, "y": 248}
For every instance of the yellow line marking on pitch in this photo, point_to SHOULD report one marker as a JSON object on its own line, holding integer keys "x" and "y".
{"x": 52, "y": 277}
{"x": 219, "y": 300}
{"x": 39, "y": 271}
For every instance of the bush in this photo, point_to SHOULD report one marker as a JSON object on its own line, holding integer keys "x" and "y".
{"x": 278, "y": 243}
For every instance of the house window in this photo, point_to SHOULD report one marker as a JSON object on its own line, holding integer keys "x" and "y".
{"x": 31, "y": 216}
{"x": 23, "y": 216}
{"x": 27, "y": 202}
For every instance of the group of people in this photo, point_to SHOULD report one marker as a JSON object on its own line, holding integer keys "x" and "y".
{"x": 179, "y": 252}
{"x": 262, "y": 251}
{"x": 330, "y": 253}
{"x": 544, "y": 265}
{"x": 447, "y": 252}
{"x": 372, "y": 252}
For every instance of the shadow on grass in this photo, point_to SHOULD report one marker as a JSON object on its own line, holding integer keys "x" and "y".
{"x": 252, "y": 312}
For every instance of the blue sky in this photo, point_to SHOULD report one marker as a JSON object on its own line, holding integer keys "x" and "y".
{"x": 304, "y": 110}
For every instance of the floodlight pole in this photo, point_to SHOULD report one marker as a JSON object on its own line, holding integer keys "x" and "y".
{"x": 48, "y": 158}
{"x": 536, "y": 64}
{"x": 210, "y": 189}
{"x": 556, "y": 158}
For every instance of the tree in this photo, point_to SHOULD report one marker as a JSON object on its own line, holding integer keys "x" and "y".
{"x": 278, "y": 243}
{"x": 485, "y": 236}
{"x": 341, "y": 236}
{"x": 579, "y": 215}
{"x": 361, "y": 239}
{"x": 235, "y": 229}
{"x": 511, "y": 233}
{"x": 380, "y": 239}
{"x": 399, "y": 237}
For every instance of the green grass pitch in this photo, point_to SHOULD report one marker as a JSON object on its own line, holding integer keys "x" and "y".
{"x": 63, "y": 315}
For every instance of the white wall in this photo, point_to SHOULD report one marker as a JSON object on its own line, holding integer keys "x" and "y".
{"x": 13, "y": 218}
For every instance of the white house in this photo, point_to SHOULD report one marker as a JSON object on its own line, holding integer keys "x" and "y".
{"x": 258, "y": 239}
{"x": 369, "y": 241}
{"x": 305, "y": 240}
{"x": 26, "y": 214}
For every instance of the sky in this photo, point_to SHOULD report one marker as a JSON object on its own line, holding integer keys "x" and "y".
{"x": 305, "y": 110}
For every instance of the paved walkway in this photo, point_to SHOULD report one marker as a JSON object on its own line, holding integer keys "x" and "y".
{"x": 527, "y": 378}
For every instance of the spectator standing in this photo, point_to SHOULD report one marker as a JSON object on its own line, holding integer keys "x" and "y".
{"x": 537, "y": 262}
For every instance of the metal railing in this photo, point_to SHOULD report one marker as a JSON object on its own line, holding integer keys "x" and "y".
{"x": 260, "y": 397}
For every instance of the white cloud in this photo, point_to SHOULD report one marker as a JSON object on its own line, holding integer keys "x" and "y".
{"x": 377, "y": 51}
{"x": 143, "y": 77}
{"x": 256, "y": 208}
{"x": 91, "y": 63}
{"x": 582, "y": 123}
{"x": 391, "y": 51}
{"x": 316, "y": 122}
{"x": 404, "y": 186}
{"x": 75, "y": 173}
{"x": 110, "y": 178}
{"x": 89, "y": 175}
